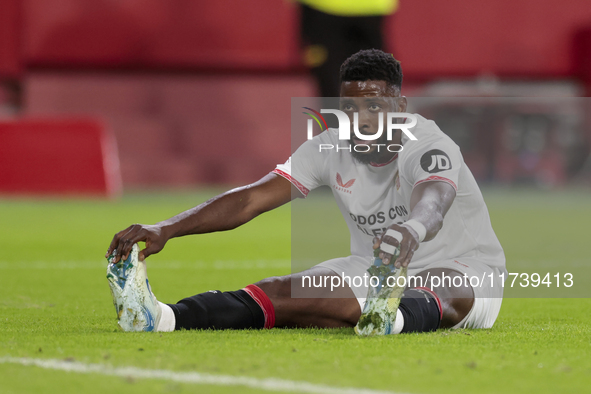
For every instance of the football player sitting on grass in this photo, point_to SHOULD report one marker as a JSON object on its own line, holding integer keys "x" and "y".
{"x": 427, "y": 221}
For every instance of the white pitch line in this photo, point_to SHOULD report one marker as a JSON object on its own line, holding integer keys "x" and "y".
{"x": 189, "y": 377}
{"x": 168, "y": 265}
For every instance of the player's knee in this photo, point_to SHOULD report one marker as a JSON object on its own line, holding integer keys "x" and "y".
{"x": 456, "y": 303}
{"x": 276, "y": 287}
{"x": 455, "y": 294}
{"x": 455, "y": 310}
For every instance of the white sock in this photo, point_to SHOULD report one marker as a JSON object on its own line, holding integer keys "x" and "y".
{"x": 167, "y": 319}
{"x": 398, "y": 323}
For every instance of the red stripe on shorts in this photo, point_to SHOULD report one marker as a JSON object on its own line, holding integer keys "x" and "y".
{"x": 264, "y": 302}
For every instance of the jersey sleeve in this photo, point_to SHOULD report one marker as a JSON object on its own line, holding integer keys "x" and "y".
{"x": 306, "y": 169}
{"x": 438, "y": 160}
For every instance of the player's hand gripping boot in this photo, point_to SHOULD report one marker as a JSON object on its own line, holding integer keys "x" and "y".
{"x": 382, "y": 302}
{"x": 136, "y": 306}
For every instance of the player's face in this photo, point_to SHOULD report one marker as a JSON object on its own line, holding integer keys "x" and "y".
{"x": 370, "y": 99}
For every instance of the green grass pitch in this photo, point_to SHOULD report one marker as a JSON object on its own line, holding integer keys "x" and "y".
{"x": 55, "y": 304}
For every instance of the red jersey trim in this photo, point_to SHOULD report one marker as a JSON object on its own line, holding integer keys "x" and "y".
{"x": 303, "y": 189}
{"x": 428, "y": 290}
{"x": 437, "y": 178}
{"x": 384, "y": 164}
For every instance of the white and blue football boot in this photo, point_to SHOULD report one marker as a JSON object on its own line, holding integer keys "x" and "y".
{"x": 379, "y": 313}
{"x": 136, "y": 306}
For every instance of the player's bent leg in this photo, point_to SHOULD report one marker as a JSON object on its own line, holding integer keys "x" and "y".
{"x": 455, "y": 301}
{"x": 323, "y": 306}
{"x": 427, "y": 303}
{"x": 469, "y": 296}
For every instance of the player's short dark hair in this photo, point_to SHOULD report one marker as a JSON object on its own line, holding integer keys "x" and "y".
{"x": 372, "y": 65}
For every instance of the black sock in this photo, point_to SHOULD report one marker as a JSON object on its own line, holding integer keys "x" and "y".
{"x": 214, "y": 309}
{"x": 421, "y": 311}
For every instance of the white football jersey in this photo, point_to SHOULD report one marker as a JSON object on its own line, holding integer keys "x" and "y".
{"x": 373, "y": 197}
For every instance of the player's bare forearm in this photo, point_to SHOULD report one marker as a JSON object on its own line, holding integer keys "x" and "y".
{"x": 429, "y": 203}
{"x": 231, "y": 209}
{"x": 224, "y": 212}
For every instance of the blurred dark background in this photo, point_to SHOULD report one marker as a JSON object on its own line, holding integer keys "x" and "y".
{"x": 198, "y": 92}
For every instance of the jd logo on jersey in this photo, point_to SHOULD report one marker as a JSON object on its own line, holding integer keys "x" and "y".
{"x": 435, "y": 161}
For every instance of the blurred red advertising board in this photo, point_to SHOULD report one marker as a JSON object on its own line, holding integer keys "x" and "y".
{"x": 58, "y": 156}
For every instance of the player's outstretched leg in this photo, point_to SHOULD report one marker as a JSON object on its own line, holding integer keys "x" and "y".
{"x": 264, "y": 305}
{"x": 137, "y": 307}
{"x": 269, "y": 303}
